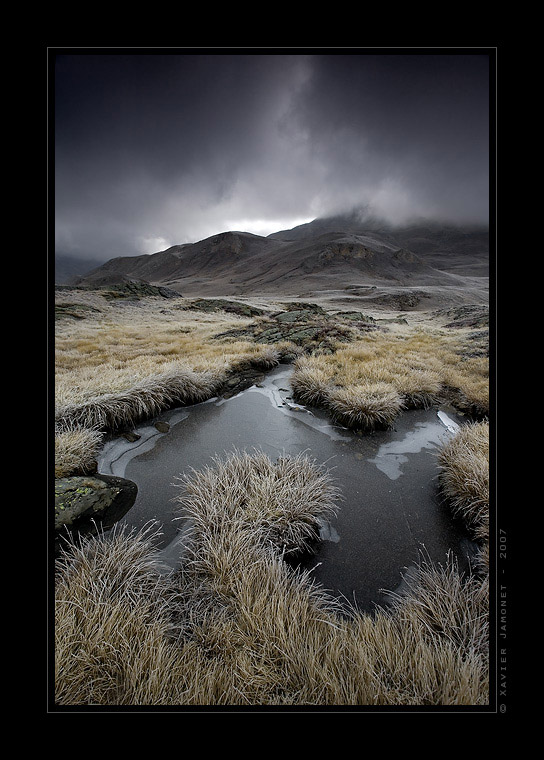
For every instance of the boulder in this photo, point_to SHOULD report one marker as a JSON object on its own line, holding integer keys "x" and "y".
{"x": 294, "y": 316}
{"x": 86, "y": 504}
{"x": 222, "y": 304}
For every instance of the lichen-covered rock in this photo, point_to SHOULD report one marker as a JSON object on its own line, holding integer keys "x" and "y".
{"x": 134, "y": 290}
{"x": 310, "y": 328}
{"x": 302, "y": 315}
{"x": 355, "y": 316}
{"x": 222, "y": 304}
{"x": 83, "y": 504}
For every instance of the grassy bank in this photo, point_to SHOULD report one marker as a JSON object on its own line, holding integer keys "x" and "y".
{"x": 123, "y": 362}
{"x": 367, "y": 383}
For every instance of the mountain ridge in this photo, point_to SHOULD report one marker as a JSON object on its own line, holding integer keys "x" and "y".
{"x": 322, "y": 255}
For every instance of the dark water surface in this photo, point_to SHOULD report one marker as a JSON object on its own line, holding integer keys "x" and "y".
{"x": 390, "y": 510}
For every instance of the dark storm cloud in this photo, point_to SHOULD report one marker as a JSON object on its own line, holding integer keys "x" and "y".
{"x": 402, "y": 129}
{"x": 152, "y": 150}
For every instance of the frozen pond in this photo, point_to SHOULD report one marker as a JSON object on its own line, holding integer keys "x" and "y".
{"x": 390, "y": 509}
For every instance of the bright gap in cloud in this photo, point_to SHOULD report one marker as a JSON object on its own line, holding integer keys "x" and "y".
{"x": 265, "y": 227}
{"x": 153, "y": 244}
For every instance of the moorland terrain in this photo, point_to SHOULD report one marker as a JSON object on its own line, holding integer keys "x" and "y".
{"x": 376, "y": 320}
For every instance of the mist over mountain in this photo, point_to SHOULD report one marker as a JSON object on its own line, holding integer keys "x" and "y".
{"x": 443, "y": 244}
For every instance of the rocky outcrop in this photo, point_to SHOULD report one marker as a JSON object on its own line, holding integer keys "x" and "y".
{"x": 134, "y": 290}
{"x": 223, "y": 304}
{"x": 87, "y": 504}
{"x": 307, "y": 326}
{"x": 476, "y": 315}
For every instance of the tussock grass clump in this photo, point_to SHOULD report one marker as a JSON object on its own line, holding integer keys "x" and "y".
{"x": 76, "y": 449}
{"x": 440, "y": 626}
{"x": 441, "y": 600}
{"x": 277, "y": 503}
{"x": 311, "y": 381}
{"x": 366, "y": 384}
{"x": 464, "y": 477}
{"x": 468, "y": 384}
{"x": 374, "y": 405}
{"x": 144, "y": 399}
{"x": 258, "y": 357}
{"x": 113, "y": 629}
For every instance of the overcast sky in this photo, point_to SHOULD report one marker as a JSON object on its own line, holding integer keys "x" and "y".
{"x": 153, "y": 150}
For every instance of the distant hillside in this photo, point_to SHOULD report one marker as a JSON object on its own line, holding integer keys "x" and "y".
{"x": 69, "y": 267}
{"x": 325, "y": 254}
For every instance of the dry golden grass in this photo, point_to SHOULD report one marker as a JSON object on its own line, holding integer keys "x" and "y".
{"x": 365, "y": 406}
{"x": 238, "y": 626}
{"x": 278, "y": 503}
{"x": 464, "y": 478}
{"x": 367, "y": 383}
{"x": 125, "y": 343}
{"x": 127, "y": 361}
{"x": 76, "y": 449}
{"x": 144, "y": 399}
{"x": 112, "y": 625}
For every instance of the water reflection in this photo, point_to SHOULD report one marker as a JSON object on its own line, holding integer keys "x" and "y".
{"x": 431, "y": 435}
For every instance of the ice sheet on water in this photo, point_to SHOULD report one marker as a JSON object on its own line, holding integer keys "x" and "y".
{"x": 425, "y": 435}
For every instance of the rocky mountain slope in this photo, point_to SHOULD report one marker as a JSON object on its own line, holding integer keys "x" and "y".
{"x": 325, "y": 255}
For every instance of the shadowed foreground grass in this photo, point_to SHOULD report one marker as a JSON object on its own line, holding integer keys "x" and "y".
{"x": 464, "y": 481}
{"x": 238, "y": 626}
